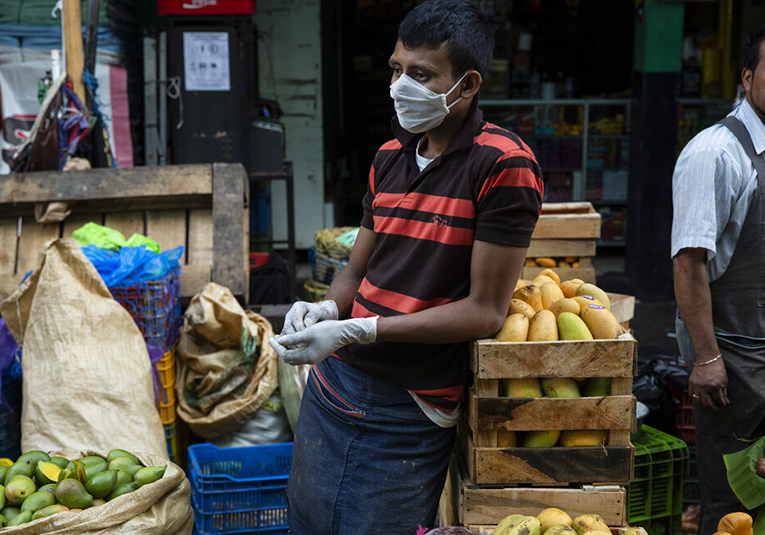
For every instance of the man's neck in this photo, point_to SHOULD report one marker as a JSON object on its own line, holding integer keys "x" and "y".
{"x": 440, "y": 137}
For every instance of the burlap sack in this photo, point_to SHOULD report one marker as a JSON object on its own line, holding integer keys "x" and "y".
{"x": 210, "y": 341}
{"x": 160, "y": 508}
{"x": 87, "y": 381}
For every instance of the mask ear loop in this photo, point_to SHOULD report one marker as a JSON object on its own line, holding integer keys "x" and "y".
{"x": 449, "y": 106}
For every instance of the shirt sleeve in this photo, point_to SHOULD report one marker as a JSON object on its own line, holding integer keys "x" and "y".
{"x": 703, "y": 195}
{"x": 367, "y": 219}
{"x": 510, "y": 200}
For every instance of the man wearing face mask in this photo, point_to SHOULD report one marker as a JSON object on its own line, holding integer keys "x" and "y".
{"x": 451, "y": 205}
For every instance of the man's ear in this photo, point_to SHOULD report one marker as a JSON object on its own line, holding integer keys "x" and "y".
{"x": 746, "y": 79}
{"x": 471, "y": 84}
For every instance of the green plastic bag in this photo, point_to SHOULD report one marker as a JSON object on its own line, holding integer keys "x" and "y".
{"x": 139, "y": 239}
{"x": 100, "y": 236}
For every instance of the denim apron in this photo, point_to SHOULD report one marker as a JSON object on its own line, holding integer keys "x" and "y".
{"x": 365, "y": 457}
{"x": 738, "y": 311}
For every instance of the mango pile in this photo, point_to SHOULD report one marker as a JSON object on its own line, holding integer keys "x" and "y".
{"x": 554, "y": 521}
{"x": 38, "y": 485}
{"x": 560, "y": 387}
{"x": 548, "y": 262}
{"x": 547, "y": 310}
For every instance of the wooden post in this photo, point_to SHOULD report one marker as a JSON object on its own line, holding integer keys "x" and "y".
{"x": 73, "y": 46}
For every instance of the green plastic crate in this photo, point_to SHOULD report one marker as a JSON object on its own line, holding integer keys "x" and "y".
{"x": 655, "y": 495}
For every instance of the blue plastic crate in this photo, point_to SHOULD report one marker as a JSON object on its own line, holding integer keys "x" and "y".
{"x": 240, "y": 490}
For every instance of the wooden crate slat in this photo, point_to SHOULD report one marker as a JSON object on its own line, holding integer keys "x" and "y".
{"x": 107, "y": 184}
{"x": 167, "y": 228}
{"x": 8, "y": 242}
{"x": 530, "y": 414}
{"x": 550, "y": 466}
{"x": 581, "y": 358}
{"x": 587, "y": 274}
{"x": 33, "y": 237}
{"x": 193, "y": 279}
{"x": 128, "y": 223}
{"x": 200, "y": 238}
{"x": 622, "y": 306}
{"x": 78, "y": 219}
{"x": 567, "y": 220}
{"x": 230, "y": 239}
{"x": 557, "y": 248}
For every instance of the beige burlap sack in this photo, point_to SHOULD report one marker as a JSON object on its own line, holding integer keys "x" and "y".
{"x": 226, "y": 368}
{"x": 87, "y": 379}
{"x": 160, "y": 508}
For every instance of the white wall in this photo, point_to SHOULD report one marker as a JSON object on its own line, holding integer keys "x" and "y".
{"x": 289, "y": 49}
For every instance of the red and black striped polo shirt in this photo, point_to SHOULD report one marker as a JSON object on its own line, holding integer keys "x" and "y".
{"x": 485, "y": 186}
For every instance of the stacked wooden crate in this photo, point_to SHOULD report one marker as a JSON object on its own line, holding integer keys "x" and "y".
{"x": 565, "y": 230}
{"x": 489, "y": 482}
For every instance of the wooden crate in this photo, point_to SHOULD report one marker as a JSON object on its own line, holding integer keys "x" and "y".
{"x": 623, "y": 308}
{"x": 487, "y": 412}
{"x": 203, "y": 207}
{"x": 566, "y": 229}
{"x": 463, "y": 503}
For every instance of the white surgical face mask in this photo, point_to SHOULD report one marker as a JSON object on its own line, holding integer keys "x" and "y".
{"x": 418, "y": 108}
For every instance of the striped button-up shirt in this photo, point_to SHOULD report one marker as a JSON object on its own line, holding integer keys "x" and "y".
{"x": 711, "y": 190}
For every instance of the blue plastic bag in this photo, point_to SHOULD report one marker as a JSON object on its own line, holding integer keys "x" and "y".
{"x": 131, "y": 265}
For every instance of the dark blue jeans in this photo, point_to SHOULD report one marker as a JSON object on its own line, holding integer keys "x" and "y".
{"x": 365, "y": 458}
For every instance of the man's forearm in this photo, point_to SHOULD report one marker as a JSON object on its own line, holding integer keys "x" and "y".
{"x": 694, "y": 301}
{"x": 343, "y": 290}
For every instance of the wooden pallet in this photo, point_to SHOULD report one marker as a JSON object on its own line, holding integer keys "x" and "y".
{"x": 203, "y": 207}
{"x": 566, "y": 229}
{"x": 464, "y": 503}
{"x": 487, "y": 412}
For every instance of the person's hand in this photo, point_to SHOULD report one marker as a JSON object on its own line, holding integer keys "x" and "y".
{"x": 303, "y": 314}
{"x": 708, "y": 385}
{"x": 317, "y": 342}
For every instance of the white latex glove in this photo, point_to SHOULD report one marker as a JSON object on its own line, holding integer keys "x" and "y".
{"x": 315, "y": 343}
{"x": 303, "y": 314}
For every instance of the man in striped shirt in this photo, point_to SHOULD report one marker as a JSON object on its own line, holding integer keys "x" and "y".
{"x": 451, "y": 205}
{"x": 718, "y": 249}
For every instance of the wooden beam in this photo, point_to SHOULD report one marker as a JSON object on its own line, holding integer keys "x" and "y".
{"x": 229, "y": 251}
{"x": 137, "y": 184}
{"x": 73, "y": 45}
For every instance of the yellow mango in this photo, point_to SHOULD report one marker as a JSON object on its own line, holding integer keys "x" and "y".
{"x": 540, "y": 439}
{"x": 529, "y": 262}
{"x": 515, "y": 329}
{"x": 569, "y": 287}
{"x": 531, "y": 295}
{"x": 552, "y": 516}
{"x": 518, "y": 306}
{"x": 543, "y": 327}
{"x": 559, "y": 529}
{"x": 572, "y": 438}
{"x": 585, "y": 300}
{"x": 560, "y": 387}
{"x": 571, "y": 259}
{"x": 550, "y": 293}
{"x": 590, "y": 289}
{"x": 571, "y": 327}
{"x": 552, "y": 274}
{"x": 565, "y": 305}
{"x": 563, "y": 264}
{"x": 602, "y": 324}
{"x": 528, "y": 387}
{"x": 539, "y": 280}
{"x": 506, "y": 439}
{"x": 589, "y": 522}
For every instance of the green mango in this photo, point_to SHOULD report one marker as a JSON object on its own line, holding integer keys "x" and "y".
{"x": 93, "y": 459}
{"x": 50, "y": 510}
{"x": 33, "y": 457}
{"x": 94, "y": 468}
{"x": 101, "y": 484}
{"x": 18, "y": 469}
{"x": 9, "y": 512}
{"x": 3, "y": 521}
{"x": 50, "y": 487}
{"x": 123, "y": 489}
{"x": 2, "y": 496}
{"x": 123, "y": 478}
{"x": 21, "y": 518}
{"x": 72, "y": 493}
{"x": 46, "y": 472}
{"x": 121, "y": 453}
{"x": 37, "y": 501}
{"x": 61, "y": 462}
{"x": 19, "y": 488}
{"x": 126, "y": 464}
{"x": 3, "y": 471}
{"x": 73, "y": 470}
{"x": 150, "y": 474}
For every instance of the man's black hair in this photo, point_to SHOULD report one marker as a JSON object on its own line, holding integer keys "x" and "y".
{"x": 469, "y": 36}
{"x": 752, "y": 48}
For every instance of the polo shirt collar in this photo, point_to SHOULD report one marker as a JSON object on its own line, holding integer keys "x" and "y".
{"x": 754, "y": 126}
{"x": 463, "y": 139}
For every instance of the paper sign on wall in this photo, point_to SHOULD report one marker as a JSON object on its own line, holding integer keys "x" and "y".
{"x": 205, "y": 61}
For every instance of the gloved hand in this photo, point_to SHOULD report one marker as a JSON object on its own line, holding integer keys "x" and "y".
{"x": 303, "y": 314}
{"x": 317, "y": 342}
